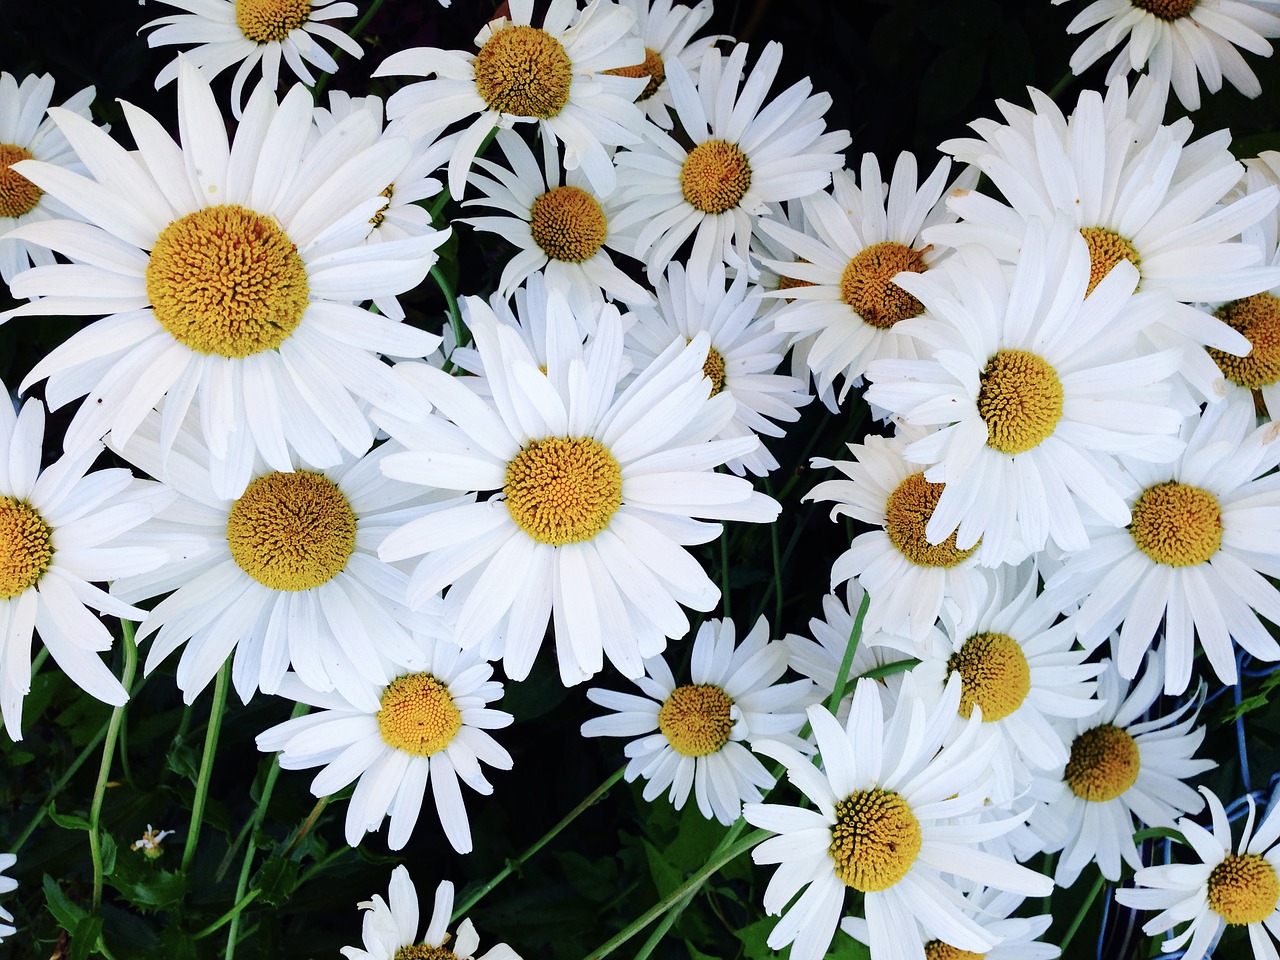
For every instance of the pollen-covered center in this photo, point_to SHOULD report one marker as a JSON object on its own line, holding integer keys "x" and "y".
{"x": 388, "y": 191}
{"x": 1177, "y": 524}
{"x": 713, "y": 370}
{"x": 524, "y": 71}
{"x": 1243, "y": 888}
{"x": 270, "y": 21}
{"x": 993, "y": 674}
{"x": 1166, "y": 9}
{"x": 651, "y": 67}
{"x": 1106, "y": 249}
{"x": 563, "y": 489}
{"x": 26, "y": 547}
{"x": 875, "y": 839}
{"x": 696, "y": 719}
{"x": 226, "y": 281}
{"x": 907, "y": 513}
{"x": 422, "y": 951}
{"x": 1258, "y": 319}
{"x": 568, "y": 224}
{"x": 867, "y": 283}
{"x": 1020, "y": 399}
{"x": 937, "y": 950}
{"x": 18, "y": 195}
{"x": 1104, "y": 764}
{"x": 418, "y": 715}
{"x": 715, "y": 177}
{"x": 291, "y": 531}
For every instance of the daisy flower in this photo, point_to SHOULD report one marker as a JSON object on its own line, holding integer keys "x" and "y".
{"x": 227, "y": 271}
{"x": 7, "y": 885}
{"x": 253, "y": 32}
{"x": 149, "y": 844}
{"x": 667, "y": 33}
{"x": 1204, "y": 537}
{"x": 743, "y": 156}
{"x": 1179, "y": 41}
{"x": 290, "y": 575}
{"x": 1240, "y": 889}
{"x": 562, "y": 229}
{"x": 61, "y": 530}
{"x": 390, "y": 929}
{"x": 574, "y": 101}
{"x": 425, "y": 728}
{"x": 692, "y": 734}
{"x": 600, "y": 493}
{"x": 742, "y": 360}
{"x": 1121, "y": 767}
{"x": 893, "y": 815}
{"x": 1035, "y": 389}
{"x": 26, "y": 134}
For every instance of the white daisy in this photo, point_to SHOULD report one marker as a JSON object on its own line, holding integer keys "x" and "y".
{"x": 253, "y": 32}
{"x": 575, "y": 100}
{"x": 227, "y": 271}
{"x": 694, "y": 733}
{"x": 894, "y": 811}
{"x": 1240, "y": 889}
{"x": 1204, "y": 537}
{"x": 743, "y": 156}
{"x": 1178, "y": 41}
{"x": 600, "y": 491}
{"x": 742, "y": 360}
{"x": 425, "y": 728}
{"x": 667, "y": 33}
{"x": 7, "y": 885}
{"x": 1121, "y": 767}
{"x": 26, "y": 134}
{"x": 390, "y": 929}
{"x": 61, "y": 531}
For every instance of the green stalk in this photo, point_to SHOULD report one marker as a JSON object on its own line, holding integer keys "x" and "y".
{"x": 451, "y": 301}
{"x": 231, "y": 916}
{"x": 104, "y": 768}
{"x": 206, "y": 762}
{"x": 1081, "y": 913}
{"x": 842, "y": 678}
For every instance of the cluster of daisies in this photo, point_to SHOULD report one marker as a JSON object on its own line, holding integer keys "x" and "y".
{"x": 1071, "y": 513}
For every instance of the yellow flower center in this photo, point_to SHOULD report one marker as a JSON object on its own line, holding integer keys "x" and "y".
{"x": 563, "y": 489}
{"x": 568, "y": 224}
{"x": 1020, "y": 398}
{"x": 713, "y": 369}
{"x": 867, "y": 283}
{"x": 1166, "y": 9}
{"x": 291, "y": 531}
{"x": 1244, "y": 888}
{"x": 875, "y": 840}
{"x": 226, "y": 281}
{"x": 270, "y": 21}
{"x": 418, "y": 715}
{"x": 388, "y": 191}
{"x": 651, "y": 67}
{"x": 695, "y": 719}
{"x": 715, "y": 176}
{"x": 422, "y": 951}
{"x": 26, "y": 547}
{"x": 1177, "y": 524}
{"x": 1104, "y": 764}
{"x": 937, "y": 950}
{"x": 18, "y": 195}
{"x": 907, "y": 513}
{"x": 1106, "y": 249}
{"x": 1258, "y": 318}
{"x": 524, "y": 71}
{"x": 993, "y": 674}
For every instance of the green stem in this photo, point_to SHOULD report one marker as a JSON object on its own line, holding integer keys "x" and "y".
{"x": 206, "y": 762}
{"x": 1061, "y": 85}
{"x": 231, "y": 916}
{"x": 664, "y": 926}
{"x": 354, "y": 32}
{"x": 512, "y": 865}
{"x": 1081, "y": 913}
{"x": 889, "y": 669}
{"x": 104, "y": 768}
{"x": 842, "y": 678}
{"x": 307, "y": 824}
{"x": 451, "y": 301}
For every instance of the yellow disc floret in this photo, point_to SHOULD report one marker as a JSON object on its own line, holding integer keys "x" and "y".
{"x": 18, "y": 195}
{"x": 1258, "y": 318}
{"x": 1243, "y": 888}
{"x": 418, "y": 715}
{"x": 1020, "y": 399}
{"x": 696, "y": 719}
{"x": 907, "y": 513}
{"x": 867, "y": 283}
{"x": 270, "y": 21}
{"x": 227, "y": 281}
{"x": 1177, "y": 524}
{"x": 875, "y": 839}
{"x": 26, "y": 547}
{"x": 292, "y": 531}
{"x": 994, "y": 674}
{"x": 1104, "y": 763}
{"x": 937, "y": 950}
{"x": 421, "y": 951}
{"x": 524, "y": 71}
{"x": 1106, "y": 249}
{"x": 651, "y": 67}
{"x": 563, "y": 489}
{"x": 715, "y": 177}
{"x": 1166, "y": 9}
{"x": 568, "y": 224}
{"x": 713, "y": 370}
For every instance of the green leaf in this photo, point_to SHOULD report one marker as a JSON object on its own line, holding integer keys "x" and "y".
{"x": 181, "y": 759}
{"x": 696, "y": 954}
{"x": 67, "y": 913}
{"x": 277, "y": 879}
{"x": 108, "y": 853}
{"x": 753, "y": 937}
{"x": 68, "y": 821}
{"x": 666, "y": 878}
{"x": 85, "y": 939}
{"x": 145, "y": 884}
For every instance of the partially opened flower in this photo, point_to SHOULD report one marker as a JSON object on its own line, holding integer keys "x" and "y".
{"x": 667, "y": 30}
